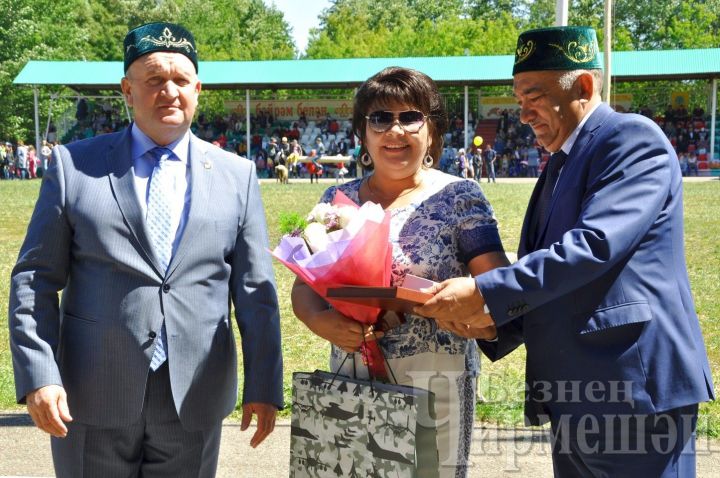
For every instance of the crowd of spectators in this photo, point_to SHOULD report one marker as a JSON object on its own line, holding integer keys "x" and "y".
{"x": 314, "y": 138}
{"x": 21, "y": 161}
{"x": 513, "y": 152}
{"x": 689, "y": 133}
{"x": 282, "y": 143}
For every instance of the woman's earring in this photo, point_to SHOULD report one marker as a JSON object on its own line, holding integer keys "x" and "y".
{"x": 428, "y": 161}
{"x": 366, "y": 160}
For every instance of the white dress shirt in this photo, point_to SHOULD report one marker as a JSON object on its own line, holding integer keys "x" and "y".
{"x": 143, "y": 165}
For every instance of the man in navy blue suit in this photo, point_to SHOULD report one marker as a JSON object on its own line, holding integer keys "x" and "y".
{"x": 600, "y": 295}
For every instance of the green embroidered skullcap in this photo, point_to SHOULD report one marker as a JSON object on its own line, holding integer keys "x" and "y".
{"x": 557, "y": 48}
{"x": 159, "y": 36}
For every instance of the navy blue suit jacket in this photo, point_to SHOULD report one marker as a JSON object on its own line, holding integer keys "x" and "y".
{"x": 601, "y": 296}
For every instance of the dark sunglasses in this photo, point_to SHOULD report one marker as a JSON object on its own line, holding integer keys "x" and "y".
{"x": 411, "y": 121}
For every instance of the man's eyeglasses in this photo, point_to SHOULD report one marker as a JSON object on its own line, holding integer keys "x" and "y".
{"x": 411, "y": 121}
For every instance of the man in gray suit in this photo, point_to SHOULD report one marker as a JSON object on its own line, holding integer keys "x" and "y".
{"x": 150, "y": 234}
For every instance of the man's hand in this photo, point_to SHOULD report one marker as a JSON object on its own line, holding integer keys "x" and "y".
{"x": 266, "y": 413}
{"x": 456, "y": 300}
{"x": 48, "y": 409}
{"x": 485, "y": 333}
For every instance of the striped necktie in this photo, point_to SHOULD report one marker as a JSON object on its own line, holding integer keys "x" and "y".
{"x": 160, "y": 229}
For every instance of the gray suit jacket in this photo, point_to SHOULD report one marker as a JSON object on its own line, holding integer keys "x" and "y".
{"x": 87, "y": 237}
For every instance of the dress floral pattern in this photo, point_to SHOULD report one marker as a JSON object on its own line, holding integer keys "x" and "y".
{"x": 435, "y": 237}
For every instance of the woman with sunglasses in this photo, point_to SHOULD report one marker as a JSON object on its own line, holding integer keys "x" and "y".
{"x": 441, "y": 227}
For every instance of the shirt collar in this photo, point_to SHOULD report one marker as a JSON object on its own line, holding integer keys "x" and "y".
{"x": 141, "y": 144}
{"x": 570, "y": 142}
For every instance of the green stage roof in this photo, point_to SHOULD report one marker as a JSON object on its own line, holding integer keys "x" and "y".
{"x": 348, "y": 73}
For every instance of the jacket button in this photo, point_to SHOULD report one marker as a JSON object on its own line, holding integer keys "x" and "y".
{"x": 166, "y": 288}
{"x": 152, "y": 335}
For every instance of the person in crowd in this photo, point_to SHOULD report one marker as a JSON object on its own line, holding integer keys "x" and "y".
{"x": 333, "y": 149}
{"x": 284, "y": 147}
{"x": 32, "y": 161}
{"x": 356, "y": 152}
{"x": 45, "y": 153}
{"x": 505, "y": 165}
{"x": 294, "y": 158}
{"x": 533, "y": 161}
{"x": 21, "y": 161}
{"x": 692, "y": 165}
{"x": 319, "y": 147}
{"x": 441, "y": 226}
{"x": 5, "y": 153}
{"x": 682, "y": 159}
{"x": 272, "y": 150}
{"x": 261, "y": 163}
{"x": 10, "y": 160}
{"x": 340, "y": 172}
{"x": 342, "y": 147}
{"x": 463, "y": 164}
{"x": 133, "y": 371}
{"x": 315, "y": 168}
{"x": 270, "y": 164}
{"x": 604, "y": 225}
{"x": 477, "y": 162}
{"x": 490, "y": 157}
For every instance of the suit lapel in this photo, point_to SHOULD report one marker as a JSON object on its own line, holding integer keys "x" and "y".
{"x": 574, "y": 162}
{"x": 527, "y": 242}
{"x": 122, "y": 183}
{"x": 201, "y": 172}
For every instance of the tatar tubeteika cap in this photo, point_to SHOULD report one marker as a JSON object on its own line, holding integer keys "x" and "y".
{"x": 557, "y": 48}
{"x": 159, "y": 36}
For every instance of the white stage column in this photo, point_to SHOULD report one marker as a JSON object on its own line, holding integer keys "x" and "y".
{"x": 466, "y": 142}
{"x": 608, "y": 51}
{"x": 713, "y": 118}
{"x": 247, "y": 123}
{"x": 38, "y": 142}
{"x": 561, "y": 13}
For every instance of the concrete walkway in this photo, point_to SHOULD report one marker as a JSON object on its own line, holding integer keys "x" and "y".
{"x": 496, "y": 452}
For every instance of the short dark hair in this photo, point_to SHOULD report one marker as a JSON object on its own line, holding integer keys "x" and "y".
{"x": 402, "y": 85}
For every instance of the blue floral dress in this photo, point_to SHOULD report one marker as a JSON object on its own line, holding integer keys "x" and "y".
{"x": 434, "y": 237}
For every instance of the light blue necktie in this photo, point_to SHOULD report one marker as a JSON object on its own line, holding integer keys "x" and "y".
{"x": 162, "y": 235}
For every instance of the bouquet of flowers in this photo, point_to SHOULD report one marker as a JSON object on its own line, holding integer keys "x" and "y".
{"x": 341, "y": 244}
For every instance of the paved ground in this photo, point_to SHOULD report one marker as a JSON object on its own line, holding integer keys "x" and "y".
{"x": 25, "y": 452}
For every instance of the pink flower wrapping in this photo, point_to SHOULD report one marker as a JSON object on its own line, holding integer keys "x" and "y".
{"x": 359, "y": 254}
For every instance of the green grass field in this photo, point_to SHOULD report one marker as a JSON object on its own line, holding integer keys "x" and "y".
{"x": 501, "y": 383}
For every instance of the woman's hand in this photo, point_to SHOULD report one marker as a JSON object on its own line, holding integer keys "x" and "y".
{"x": 341, "y": 331}
{"x": 329, "y": 324}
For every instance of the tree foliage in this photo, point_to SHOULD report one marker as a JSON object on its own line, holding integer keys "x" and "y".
{"x": 94, "y": 30}
{"x": 252, "y": 30}
{"x": 26, "y": 33}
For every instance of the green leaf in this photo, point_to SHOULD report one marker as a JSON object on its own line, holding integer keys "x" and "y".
{"x": 291, "y": 222}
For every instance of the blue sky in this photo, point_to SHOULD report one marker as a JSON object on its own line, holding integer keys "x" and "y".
{"x": 302, "y": 15}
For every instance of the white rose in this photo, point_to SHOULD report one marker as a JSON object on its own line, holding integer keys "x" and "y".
{"x": 319, "y": 212}
{"x": 316, "y": 236}
{"x": 345, "y": 213}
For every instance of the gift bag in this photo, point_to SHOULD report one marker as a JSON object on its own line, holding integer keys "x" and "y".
{"x": 345, "y": 427}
